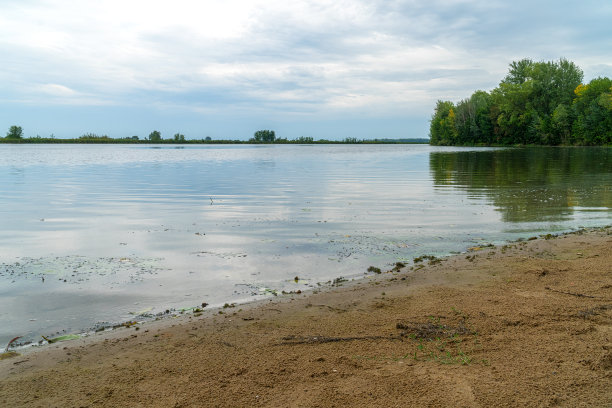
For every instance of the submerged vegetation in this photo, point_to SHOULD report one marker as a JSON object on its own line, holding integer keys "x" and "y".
{"x": 537, "y": 103}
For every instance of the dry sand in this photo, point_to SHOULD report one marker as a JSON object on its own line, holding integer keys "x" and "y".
{"x": 527, "y": 324}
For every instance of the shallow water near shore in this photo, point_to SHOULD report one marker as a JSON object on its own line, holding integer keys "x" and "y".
{"x": 95, "y": 235}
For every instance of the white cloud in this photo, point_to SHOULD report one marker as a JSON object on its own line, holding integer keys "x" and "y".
{"x": 58, "y": 90}
{"x": 318, "y": 56}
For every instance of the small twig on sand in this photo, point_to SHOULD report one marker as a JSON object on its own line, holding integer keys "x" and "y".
{"x": 333, "y": 309}
{"x": 570, "y": 293}
{"x": 321, "y": 339}
{"x": 594, "y": 311}
{"x": 431, "y": 330}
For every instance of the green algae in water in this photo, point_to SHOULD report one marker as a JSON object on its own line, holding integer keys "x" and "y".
{"x": 77, "y": 269}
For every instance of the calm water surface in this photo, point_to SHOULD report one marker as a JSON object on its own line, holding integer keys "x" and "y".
{"x": 92, "y": 235}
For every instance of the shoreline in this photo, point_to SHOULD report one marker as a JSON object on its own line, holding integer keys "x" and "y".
{"x": 203, "y": 309}
{"x": 508, "y": 325}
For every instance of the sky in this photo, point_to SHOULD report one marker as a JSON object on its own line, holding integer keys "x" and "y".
{"x": 226, "y": 68}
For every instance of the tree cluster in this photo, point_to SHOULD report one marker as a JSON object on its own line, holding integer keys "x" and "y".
{"x": 264, "y": 136}
{"x": 540, "y": 103}
{"x": 15, "y": 132}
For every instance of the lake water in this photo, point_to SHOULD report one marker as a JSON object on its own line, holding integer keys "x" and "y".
{"x": 95, "y": 235}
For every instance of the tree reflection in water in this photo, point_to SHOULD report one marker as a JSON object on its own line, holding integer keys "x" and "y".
{"x": 530, "y": 184}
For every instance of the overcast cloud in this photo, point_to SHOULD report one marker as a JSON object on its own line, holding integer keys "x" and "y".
{"x": 326, "y": 69}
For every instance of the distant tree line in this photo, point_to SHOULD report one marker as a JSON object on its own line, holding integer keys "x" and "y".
{"x": 15, "y": 135}
{"x": 539, "y": 103}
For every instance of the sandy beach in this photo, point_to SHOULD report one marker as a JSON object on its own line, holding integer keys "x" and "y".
{"x": 524, "y": 324}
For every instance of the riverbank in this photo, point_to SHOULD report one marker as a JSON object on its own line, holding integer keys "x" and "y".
{"x": 526, "y": 324}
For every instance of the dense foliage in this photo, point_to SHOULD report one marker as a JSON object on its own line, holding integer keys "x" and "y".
{"x": 155, "y": 136}
{"x": 15, "y": 132}
{"x": 264, "y": 136}
{"x": 540, "y": 103}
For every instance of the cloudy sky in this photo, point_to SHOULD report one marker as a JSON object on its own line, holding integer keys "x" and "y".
{"x": 319, "y": 68}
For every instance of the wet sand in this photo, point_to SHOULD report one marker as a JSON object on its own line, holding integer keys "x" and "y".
{"x": 526, "y": 324}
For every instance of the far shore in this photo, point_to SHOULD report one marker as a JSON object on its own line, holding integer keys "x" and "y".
{"x": 524, "y": 324}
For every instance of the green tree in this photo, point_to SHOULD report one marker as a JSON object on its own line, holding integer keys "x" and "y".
{"x": 15, "y": 132}
{"x": 304, "y": 139}
{"x": 515, "y": 115}
{"x": 442, "y": 130}
{"x": 179, "y": 138}
{"x": 553, "y": 85}
{"x": 562, "y": 124}
{"x": 472, "y": 119}
{"x": 541, "y": 103}
{"x": 264, "y": 136}
{"x": 519, "y": 72}
{"x": 155, "y": 136}
{"x": 531, "y": 93}
{"x": 593, "y": 109}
